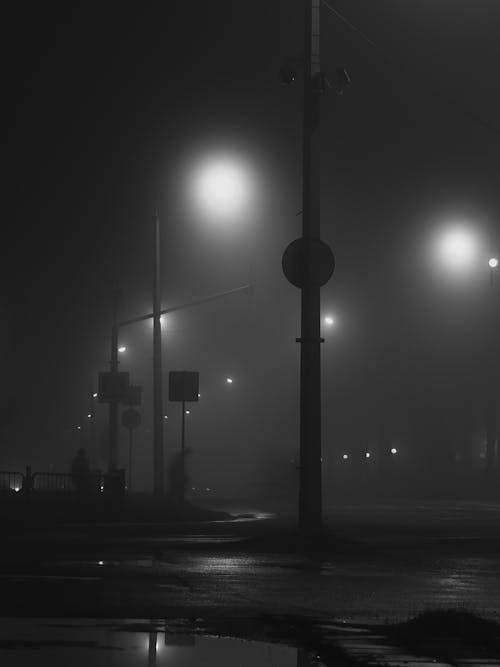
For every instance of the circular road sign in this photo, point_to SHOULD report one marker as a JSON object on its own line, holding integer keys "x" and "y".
{"x": 131, "y": 418}
{"x": 295, "y": 260}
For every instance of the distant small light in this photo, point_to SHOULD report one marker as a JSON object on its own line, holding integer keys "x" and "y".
{"x": 367, "y": 455}
{"x": 188, "y": 412}
{"x": 17, "y": 489}
{"x": 94, "y": 395}
{"x": 163, "y": 320}
{"x": 199, "y": 395}
{"x": 102, "y": 488}
{"x": 122, "y": 348}
{"x": 229, "y": 380}
{"x": 493, "y": 262}
{"x": 165, "y": 416}
{"x": 100, "y": 562}
{"x": 329, "y": 321}
{"x": 89, "y": 416}
{"x": 345, "y": 456}
{"x": 208, "y": 488}
{"x": 78, "y": 428}
{"x": 394, "y": 450}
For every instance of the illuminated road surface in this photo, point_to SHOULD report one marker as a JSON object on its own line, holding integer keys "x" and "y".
{"x": 382, "y": 563}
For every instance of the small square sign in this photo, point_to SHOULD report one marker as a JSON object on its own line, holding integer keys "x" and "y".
{"x": 183, "y": 385}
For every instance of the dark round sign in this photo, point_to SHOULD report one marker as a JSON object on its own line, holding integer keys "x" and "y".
{"x": 131, "y": 418}
{"x": 295, "y": 262}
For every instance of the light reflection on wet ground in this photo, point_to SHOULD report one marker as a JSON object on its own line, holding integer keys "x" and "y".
{"x": 82, "y": 642}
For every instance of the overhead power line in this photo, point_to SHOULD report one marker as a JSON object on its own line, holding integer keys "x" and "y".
{"x": 445, "y": 100}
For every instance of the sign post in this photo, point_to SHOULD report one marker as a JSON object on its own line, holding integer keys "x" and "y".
{"x": 130, "y": 419}
{"x": 183, "y": 386}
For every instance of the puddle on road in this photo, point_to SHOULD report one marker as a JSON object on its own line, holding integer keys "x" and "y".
{"x": 84, "y": 642}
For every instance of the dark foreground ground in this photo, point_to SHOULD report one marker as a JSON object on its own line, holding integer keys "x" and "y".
{"x": 377, "y": 566}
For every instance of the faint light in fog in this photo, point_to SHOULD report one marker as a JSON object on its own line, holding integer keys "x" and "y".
{"x": 100, "y": 562}
{"x": 345, "y": 456}
{"x": 122, "y": 348}
{"x": 188, "y": 412}
{"x": 17, "y": 489}
{"x": 394, "y": 450}
{"x": 165, "y": 416}
{"x": 94, "y": 395}
{"x": 367, "y": 455}
{"x": 493, "y": 262}
{"x": 89, "y": 416}
{"x": 329, "y": 321}
{"x": 78, "y": 428}
{"x": 229, "y": 380}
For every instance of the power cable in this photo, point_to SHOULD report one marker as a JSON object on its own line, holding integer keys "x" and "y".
{"x": 452, "y": 105}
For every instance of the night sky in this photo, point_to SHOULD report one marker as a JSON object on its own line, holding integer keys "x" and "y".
{"x": 109, "y": 105}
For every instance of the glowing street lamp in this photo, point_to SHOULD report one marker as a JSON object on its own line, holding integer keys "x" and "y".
{"x": 221, "y": 187}
{"x": 329, "y": 321}
{"x": 122, "y": 349}
{"x": 229, "y": 380}
{"x": 457, "y": 249}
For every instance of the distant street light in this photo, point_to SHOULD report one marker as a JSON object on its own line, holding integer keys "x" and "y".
{"x": 345, "y": 456}
{"x": 394, "y": 450}
{"x": 329, "y": 321}
{"x": 122, "y": 349}
{"x": 461, "y": 251}
{"x": 229, "y": 380}
{"x": 367, "y": 455}
{"x": 158, "y": 416}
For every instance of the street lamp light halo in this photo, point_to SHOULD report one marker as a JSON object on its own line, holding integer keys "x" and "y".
{"x": 221, "y": 188}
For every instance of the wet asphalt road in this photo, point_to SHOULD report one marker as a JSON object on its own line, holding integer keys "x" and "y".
{"x": 378, "y": 563}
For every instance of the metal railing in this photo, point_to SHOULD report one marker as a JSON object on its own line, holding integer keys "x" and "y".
{"x": 11, "y": 481}
{"x": 58, "y": 483}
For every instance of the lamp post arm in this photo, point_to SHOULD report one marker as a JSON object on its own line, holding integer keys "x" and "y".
{"x": 198, "y": 302}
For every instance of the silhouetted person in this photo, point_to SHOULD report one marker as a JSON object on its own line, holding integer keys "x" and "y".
{"x": 80, "y": 469}
{"x": 177, "y": 477}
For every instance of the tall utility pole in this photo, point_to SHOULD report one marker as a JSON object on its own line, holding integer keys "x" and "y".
{"x": 113, "y": 405}
{"x": 310, "y": 499}
{"x": 158, "y": 480}
{"x": 308, "y": 263}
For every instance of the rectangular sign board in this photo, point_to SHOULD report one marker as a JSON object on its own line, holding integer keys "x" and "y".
{"x": 113, "y": 387}
{"x": 183, "y": 385}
